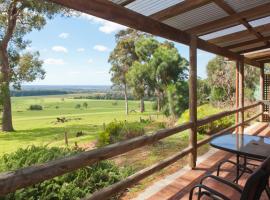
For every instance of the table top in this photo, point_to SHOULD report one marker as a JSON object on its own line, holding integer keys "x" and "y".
{"x": 243, "y": 144}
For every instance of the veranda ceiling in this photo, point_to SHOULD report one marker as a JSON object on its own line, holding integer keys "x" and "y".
{"x": 241, "y": 26}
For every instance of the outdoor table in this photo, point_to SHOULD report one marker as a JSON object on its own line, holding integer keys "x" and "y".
{"x": 243, "y": 145}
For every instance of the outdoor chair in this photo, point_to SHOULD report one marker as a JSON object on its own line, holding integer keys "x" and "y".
{"x": 257, "y": 182}
{"x": 243, "y": 167}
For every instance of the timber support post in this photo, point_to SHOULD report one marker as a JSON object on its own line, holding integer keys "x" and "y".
{"x": 262, "y": 90}
{"x": 193, "y": 100}
{"x": 241, "y": 94}
{"x": 237, "y": 95}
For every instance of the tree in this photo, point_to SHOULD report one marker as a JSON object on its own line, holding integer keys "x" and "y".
{"x": 221, "y": 76}
{"x": 138, "y": 79}
{"x": 167, "y": 67}
{"x": 17, "y": 18}
{"x": 122, "y": 58}
{"x": 203, "y": 91}
{"x": 139, "y": 76}
{"x": 85, "y": 105}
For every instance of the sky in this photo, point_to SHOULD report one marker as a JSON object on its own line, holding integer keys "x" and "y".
{"x": 75, "y": 50}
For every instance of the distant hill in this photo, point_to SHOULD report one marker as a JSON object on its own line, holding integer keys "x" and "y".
{"x": 42, "y": 90}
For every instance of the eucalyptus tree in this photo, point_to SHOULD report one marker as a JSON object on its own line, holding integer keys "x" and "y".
{"x": 17, "y": 18}
{"x": 122, "y": 58}
{"x": 139, "y": 76}
{"x": 221, "y": 76}
{"x": 167, "y": 67}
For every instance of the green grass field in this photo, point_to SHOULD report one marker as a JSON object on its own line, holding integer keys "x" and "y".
{"x": 42, "y": 128}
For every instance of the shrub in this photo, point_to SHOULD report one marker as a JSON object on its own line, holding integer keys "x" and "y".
{"x": 120, "y": 130}
{"x": 35, "y": 107}
{"x": 78, "y": 106}
{"x": 207, "y": 110}
{"x": 74, "y": 185}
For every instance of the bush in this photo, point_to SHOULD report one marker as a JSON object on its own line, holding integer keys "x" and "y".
{"x": 207, "y": 110}
{"x": 119, "y": 131}
{"x": 35, "y": 107}
{"x": 78, "y": 106}
{"x": 74, "y": 185}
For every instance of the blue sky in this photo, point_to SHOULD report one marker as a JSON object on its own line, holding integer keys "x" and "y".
{"x": 75, "y": 51}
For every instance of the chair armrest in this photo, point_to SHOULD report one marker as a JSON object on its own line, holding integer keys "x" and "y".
{"x": 211, "y": 192}
{"x": 224, "y": 181}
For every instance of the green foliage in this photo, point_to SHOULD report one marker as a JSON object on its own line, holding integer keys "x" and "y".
{"x": 120, "y": 130}
{"x": 78, "y": 106}
{"x": 221, "y": 76}
{"x": 203, "y": 91}
{"x": 207, "y": 110}
{"x": 35, "y": 107}
{"x": 177, "y": 99}
{"x": 85, "y": 105}
{"x": 71, "y": 186}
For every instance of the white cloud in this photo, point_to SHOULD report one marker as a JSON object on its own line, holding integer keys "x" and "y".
{"x": 64, "y": 35}
{"x": 53, "y": 61}
{"x": 90, "y": 60}
{"x": 105, "y": 26}
{"x": 80, "y": 49}
{"x": 101, "y": 48}
{"x": 59, "y": 49}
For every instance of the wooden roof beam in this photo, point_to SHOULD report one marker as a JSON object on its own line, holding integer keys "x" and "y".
{"x": 178, "y": 9}
{"x": 254, "y": 49}
{"x": 118, "y": 14}
{"x": 222, "y": 4}
{"x": 265, "y": 61}
{"x": 241, "y": 44}
{"x": 225, "y": 22}
{"x": 238, "y": 35}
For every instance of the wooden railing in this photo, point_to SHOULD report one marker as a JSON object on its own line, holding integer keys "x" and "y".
{"x": 11, "y": 181}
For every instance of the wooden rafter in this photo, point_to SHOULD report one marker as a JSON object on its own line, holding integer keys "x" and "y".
{"x": 254, "y": 49}
{"x": 233, "y": 19}
{"x": 241, "y": 44}
{"x": 126, "y": 2}
{"x": 261, "y": 58}
{"x": 222, "y": 4}
{"x": 178, "y": 9}
{"x": 239, "y": 35}
{"x": 265, "y": 61}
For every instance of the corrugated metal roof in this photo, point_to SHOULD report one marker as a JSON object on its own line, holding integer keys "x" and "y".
{"x": 195, "y": 17}
{"x": 236, "y": 41}
{"x": 204, "y": 14}
{"x": 259, "y": 22}
{"x": 223, "y": 32}
{"x": 149, "y": 7}
{"x": 241, "y": 5}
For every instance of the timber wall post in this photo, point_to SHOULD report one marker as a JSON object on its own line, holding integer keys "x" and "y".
{"x": 241, "y": 94}
{"x": 193, "y": 100}
{"x": 262, "y": 90}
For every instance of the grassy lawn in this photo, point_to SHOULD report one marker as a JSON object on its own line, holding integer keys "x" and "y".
{"x": 42, "y": 128}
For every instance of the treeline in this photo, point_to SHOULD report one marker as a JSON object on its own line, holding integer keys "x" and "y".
{"x": 20, "y": 93}
{"x": 109, "y": 96}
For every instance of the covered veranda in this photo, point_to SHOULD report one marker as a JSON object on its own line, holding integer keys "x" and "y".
{"x": 236, "y": 29}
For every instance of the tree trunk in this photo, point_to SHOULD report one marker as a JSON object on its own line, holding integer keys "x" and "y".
{"x": 142, "y": 105}
{"x": 5, "y": 92}
{"x": 126, "y": 98}
{"x": 158, "y": 103}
